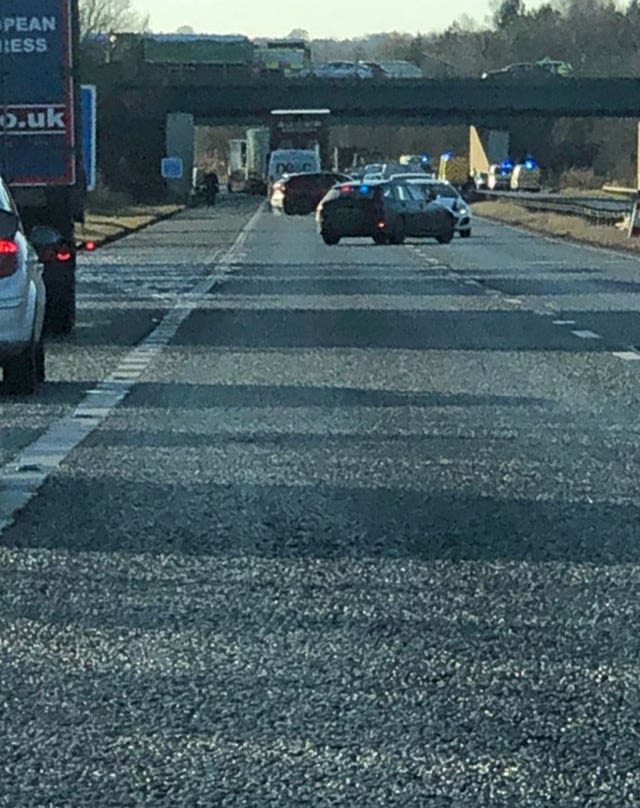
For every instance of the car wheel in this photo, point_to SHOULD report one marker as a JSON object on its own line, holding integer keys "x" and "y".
{"x": 398, "y": 236}
{"x": 465, "y": 233}
{"x": 330, "y": 239}
{"x": 445, "y": 237}
{"x": 40, "y": 362}
{"x": 21, "y": 373}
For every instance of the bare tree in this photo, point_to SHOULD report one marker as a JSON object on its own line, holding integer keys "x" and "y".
{"x": 103, "y": 16}
{"x": 299, "y": 33}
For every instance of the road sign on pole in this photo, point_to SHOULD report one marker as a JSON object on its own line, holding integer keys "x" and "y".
{"x": 172, "y": 168}
{"x": 89, "y": 152}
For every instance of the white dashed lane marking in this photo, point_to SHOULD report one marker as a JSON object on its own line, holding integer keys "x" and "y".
{"x": 586, "y": 334}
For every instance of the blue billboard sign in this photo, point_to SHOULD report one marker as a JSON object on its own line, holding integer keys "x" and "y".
{"x": 36, "y": 93}
{"x": 88, "y": 109}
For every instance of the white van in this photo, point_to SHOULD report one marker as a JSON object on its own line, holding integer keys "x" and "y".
{"x": 292, "y": 161}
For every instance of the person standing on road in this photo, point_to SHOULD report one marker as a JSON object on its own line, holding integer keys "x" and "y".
{"x": 212, "y": 186}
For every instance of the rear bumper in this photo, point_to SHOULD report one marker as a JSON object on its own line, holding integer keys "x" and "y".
{"x": 362, "y": 228}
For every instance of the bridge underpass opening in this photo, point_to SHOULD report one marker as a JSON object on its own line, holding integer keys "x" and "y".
{"x": 347, "y": 143}
{"x": 595, "y": 150}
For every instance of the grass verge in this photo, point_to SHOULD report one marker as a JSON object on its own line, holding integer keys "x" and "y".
{"x": 558, "y": 225}
{"x": 107, "y": 222}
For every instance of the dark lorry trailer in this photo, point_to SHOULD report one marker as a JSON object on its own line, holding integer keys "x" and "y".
{"x": 40, "y": 139}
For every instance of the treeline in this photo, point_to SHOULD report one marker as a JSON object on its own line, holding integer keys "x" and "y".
{"x": 598, "y": 38}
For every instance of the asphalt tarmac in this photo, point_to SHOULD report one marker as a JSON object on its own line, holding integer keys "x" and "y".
{"x": 361, "y": 529}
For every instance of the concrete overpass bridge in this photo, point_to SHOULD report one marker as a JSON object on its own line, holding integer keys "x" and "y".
{"x": 451, "y": 101}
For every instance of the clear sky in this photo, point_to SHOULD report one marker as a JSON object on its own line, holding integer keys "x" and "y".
{"x": 340, "y": 19}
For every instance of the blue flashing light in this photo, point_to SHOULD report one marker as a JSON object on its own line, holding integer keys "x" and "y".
{"x": 507, "y": 165}
{"x": 530, "y": 164}
{"x": 425, "y": 158}
{"x": 364, "y": 189}
{"x": 447, "y": 155}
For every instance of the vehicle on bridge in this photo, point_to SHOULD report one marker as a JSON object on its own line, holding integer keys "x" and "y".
{"x": 182, "y": 56}
{"x": 290, "y": 58}
{"x": 543, "y": 69}
{"x": 386, "y": 212}
{"x": 342, "y": 70}
{"x": 401, "y": 69}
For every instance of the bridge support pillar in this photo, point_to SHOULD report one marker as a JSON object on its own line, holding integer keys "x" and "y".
{"x": 487, "y": 147}
{"x": 638, "y": 162}
{"x": 180, "y": 142}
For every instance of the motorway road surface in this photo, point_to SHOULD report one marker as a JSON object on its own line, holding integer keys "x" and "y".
{"x": 356, "y": 526}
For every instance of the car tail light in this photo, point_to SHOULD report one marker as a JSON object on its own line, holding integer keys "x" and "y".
{"x": 8, "y": 257}
{"x": 90, "y": 246}
{"x": 381, "y": 225}
{"x": 63, "y": 253}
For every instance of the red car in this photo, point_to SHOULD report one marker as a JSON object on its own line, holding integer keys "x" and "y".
{"x": 301, "y": 193}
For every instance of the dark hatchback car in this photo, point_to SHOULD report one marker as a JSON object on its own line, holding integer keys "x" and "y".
{"x": 543, "y": 70}
{"x": 301, "y": 193}
{"x": 387, "y": 212}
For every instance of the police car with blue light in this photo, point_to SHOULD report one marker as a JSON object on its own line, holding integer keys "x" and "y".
{"x": 499, "y": 178}
{"x": 526, "y": 176}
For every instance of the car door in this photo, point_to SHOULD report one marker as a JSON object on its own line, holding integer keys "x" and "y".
{"x": 418, "y": 195}
{"x": 408, "y": 209}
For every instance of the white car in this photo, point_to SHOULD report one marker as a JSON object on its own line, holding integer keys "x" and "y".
{"x": 22, "y": 304}
{"x": 443, "y": 192}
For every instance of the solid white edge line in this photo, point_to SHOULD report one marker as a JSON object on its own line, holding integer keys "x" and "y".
{"x": 628, "y": 356}
{"x": 25, "y": 474}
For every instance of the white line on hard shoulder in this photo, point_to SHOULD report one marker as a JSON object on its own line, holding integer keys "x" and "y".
{"x": 24, "y": 475}
{"x": 619, "y": 254}
{"x": 628, "y": 356}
